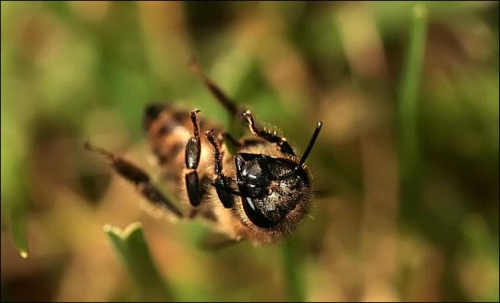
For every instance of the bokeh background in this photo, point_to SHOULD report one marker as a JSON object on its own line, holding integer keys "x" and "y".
{"x": 76, "y": 71}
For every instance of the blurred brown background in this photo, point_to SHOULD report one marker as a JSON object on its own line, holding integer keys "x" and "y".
{"x": 76, "y": 71}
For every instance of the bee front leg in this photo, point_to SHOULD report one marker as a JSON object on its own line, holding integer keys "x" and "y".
{"x": 270, "y": 137}
{"x": 138, "y": 177}
{"x": 222, "y": 182}
{"x": 192, "y": 158}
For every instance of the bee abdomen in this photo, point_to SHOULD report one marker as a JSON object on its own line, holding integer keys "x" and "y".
{"x": 167, "y": 131}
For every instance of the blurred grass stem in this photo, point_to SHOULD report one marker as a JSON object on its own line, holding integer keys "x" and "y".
{"x": 409, "y": 149}
{"x": 292, "y": 270}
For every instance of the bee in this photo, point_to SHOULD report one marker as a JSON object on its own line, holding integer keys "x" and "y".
{"x": 261, "y": 192}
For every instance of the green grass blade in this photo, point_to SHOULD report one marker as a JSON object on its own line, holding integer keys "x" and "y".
{"x": 18, "y": 224}
{"x": 293, "y": 275}
{"x": 134, "y": 252}
{"x": 14, "y": 189}
{"x": 408, "y": 97}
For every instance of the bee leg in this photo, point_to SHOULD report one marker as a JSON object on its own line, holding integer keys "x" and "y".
{"x": 138, "y": 177}
{"x": 222, "y": 182}
{"x": 216, "y": 91}
{"x": 216, "y": 242}
{"x": 270, "y": 137}
{"x": 192, "y": 158}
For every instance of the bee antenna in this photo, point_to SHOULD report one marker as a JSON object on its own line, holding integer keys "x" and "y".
{"x": 307, "y": 152}
{"x": 311, "y": 143}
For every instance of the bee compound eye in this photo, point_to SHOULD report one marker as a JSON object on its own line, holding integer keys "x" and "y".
{"x": 269, "y": 191}
{"x": 255, "y": 214}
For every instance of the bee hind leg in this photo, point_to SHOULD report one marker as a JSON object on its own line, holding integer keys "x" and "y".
{"x": 216, "y": 91}
{"x": 138, "y": 177}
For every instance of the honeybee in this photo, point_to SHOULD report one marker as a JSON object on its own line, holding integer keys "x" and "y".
{"x": 261, "y": 193}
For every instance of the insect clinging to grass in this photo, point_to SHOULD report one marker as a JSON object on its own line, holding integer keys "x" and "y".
{"x": 260, "y": 193}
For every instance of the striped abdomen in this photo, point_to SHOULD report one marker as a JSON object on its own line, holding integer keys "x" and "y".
{"x": 168, "y": 131}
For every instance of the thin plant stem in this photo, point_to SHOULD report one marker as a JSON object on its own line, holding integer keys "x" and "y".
{"x": 292, "y": 270}
{"x": 409, "y": 147}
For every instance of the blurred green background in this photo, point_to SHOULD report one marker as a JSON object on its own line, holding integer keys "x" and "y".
{"x": 400, "y": 220}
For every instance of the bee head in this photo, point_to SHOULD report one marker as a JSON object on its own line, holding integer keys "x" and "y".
{"x": 270, "y": 187}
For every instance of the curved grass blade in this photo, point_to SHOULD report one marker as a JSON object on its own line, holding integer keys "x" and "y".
{"x": 134, "y": 252}
{"x": 14, "y": 187}
{"x": 18, "y": 224}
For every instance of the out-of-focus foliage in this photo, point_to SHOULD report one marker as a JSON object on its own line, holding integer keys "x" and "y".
{"x": 134, "y": 252}
{"x": 76, "y": 71}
